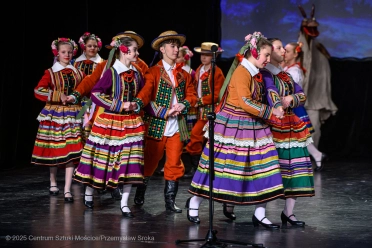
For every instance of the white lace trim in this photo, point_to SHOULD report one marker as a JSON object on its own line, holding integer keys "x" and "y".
{"x": 104, "y": 141}
{"x": 59, "y": 121}
{"x": 245, "y": 143}
{"x": 287, "y": 145}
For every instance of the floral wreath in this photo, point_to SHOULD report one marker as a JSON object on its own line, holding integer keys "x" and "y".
{"x": 188, "y": 54}
{"x": 251, "y": 43}
{"x": 116, "y": 43}
{"x": 55, "y": 45}
{"x": 93, "y": 36}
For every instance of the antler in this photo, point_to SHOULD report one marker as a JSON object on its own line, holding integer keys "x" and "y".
{"x": 312, "y": 11}
{"x": 302, "y": 11}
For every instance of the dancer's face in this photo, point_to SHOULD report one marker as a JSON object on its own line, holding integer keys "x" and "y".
{"x": 278, "y": 52}
{"x": 263, "y": 59}
{"x": 290, "y": 53}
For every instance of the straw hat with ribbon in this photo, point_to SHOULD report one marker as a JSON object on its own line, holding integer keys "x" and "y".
{"x": 130, "y": 34}
{"x": 167, "y": 35}
{"x": 206, "y": 47}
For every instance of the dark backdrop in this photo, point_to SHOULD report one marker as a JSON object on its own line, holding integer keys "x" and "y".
{"x": 30, "y": 28}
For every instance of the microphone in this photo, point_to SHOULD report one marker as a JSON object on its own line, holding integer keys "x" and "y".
{"x": 214, "y": 48}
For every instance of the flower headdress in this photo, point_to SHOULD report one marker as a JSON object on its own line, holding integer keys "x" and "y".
{"x": 251, "y": 42}
{"x": 116, "y": 43}
{"x": 299, "y": 47}
{"x": 91, "y": 36}
{"x": 55, "y": 45}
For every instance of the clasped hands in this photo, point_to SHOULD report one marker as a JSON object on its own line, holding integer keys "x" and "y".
{"x": 176, "y": 109}
{"x": 286, "y": 102}
{"x": 129, "y": 106}
{"x": 67, "y": 99}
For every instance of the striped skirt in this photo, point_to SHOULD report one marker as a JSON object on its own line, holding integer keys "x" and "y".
{"x": 246, "y": 165}
{"x": 291, "y": 138}
{"x": 58, "y": 140}
{"x": 113, "y": 153}
{"x": 302, "y": 114}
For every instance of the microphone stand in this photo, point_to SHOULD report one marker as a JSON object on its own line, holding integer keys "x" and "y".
{"x": 211, "y": 238}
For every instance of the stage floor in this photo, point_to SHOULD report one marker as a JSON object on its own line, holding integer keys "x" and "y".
{"x": 338, "y": 216}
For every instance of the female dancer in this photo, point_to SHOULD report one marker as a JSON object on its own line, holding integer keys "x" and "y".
{"x": 291, "y": 135}
{"x": 293, "y": 65}
{"x": 58, "y": 140}
{"x": 113, "y": 153}
{"x": 87, "y": 62}
{"x": 246, "y": 166}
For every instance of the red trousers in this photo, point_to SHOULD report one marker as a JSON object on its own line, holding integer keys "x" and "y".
{"x": 154, "y": 151}
{"x": 195, "y": 146}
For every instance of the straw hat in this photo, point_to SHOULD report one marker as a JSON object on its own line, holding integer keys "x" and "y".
{"x": 130, "y": 34}
{"x": 206, "y": 47}
{"x": 168, "y": 35}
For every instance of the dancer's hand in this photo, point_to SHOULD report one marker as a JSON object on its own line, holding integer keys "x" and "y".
{"x": 286, "y": 101}
{"x": 133, "y": 106}
{"x": 69, "y": 99}
{"x": 173, "y": 112}
{"x": 179, "y": 107}
{"x": 126, "y": 106}
{"x": 278, "y": 112}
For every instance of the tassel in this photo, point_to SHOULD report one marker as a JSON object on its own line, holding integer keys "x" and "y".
{"x": 84, "y": 108}
{"x": 182, "y": 127}
{"x": 109, "y": 60}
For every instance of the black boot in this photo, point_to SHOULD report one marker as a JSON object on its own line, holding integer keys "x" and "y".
{"x": 139, "y": 197}
{"x": 194, "y": 159}
{"x": 170, "y": 192}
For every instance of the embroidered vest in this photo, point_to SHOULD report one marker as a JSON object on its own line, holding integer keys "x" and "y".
{"x": 163, "y": 98}
{"x": 64, "y": 81}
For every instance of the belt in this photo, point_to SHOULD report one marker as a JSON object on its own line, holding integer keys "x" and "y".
{"x": 60, "y": 103}
{"x": 121, "y": 113}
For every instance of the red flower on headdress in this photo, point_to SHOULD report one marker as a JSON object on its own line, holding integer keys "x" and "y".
{"x": 254, "y": 53}
{"x": 123, "y": 48}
